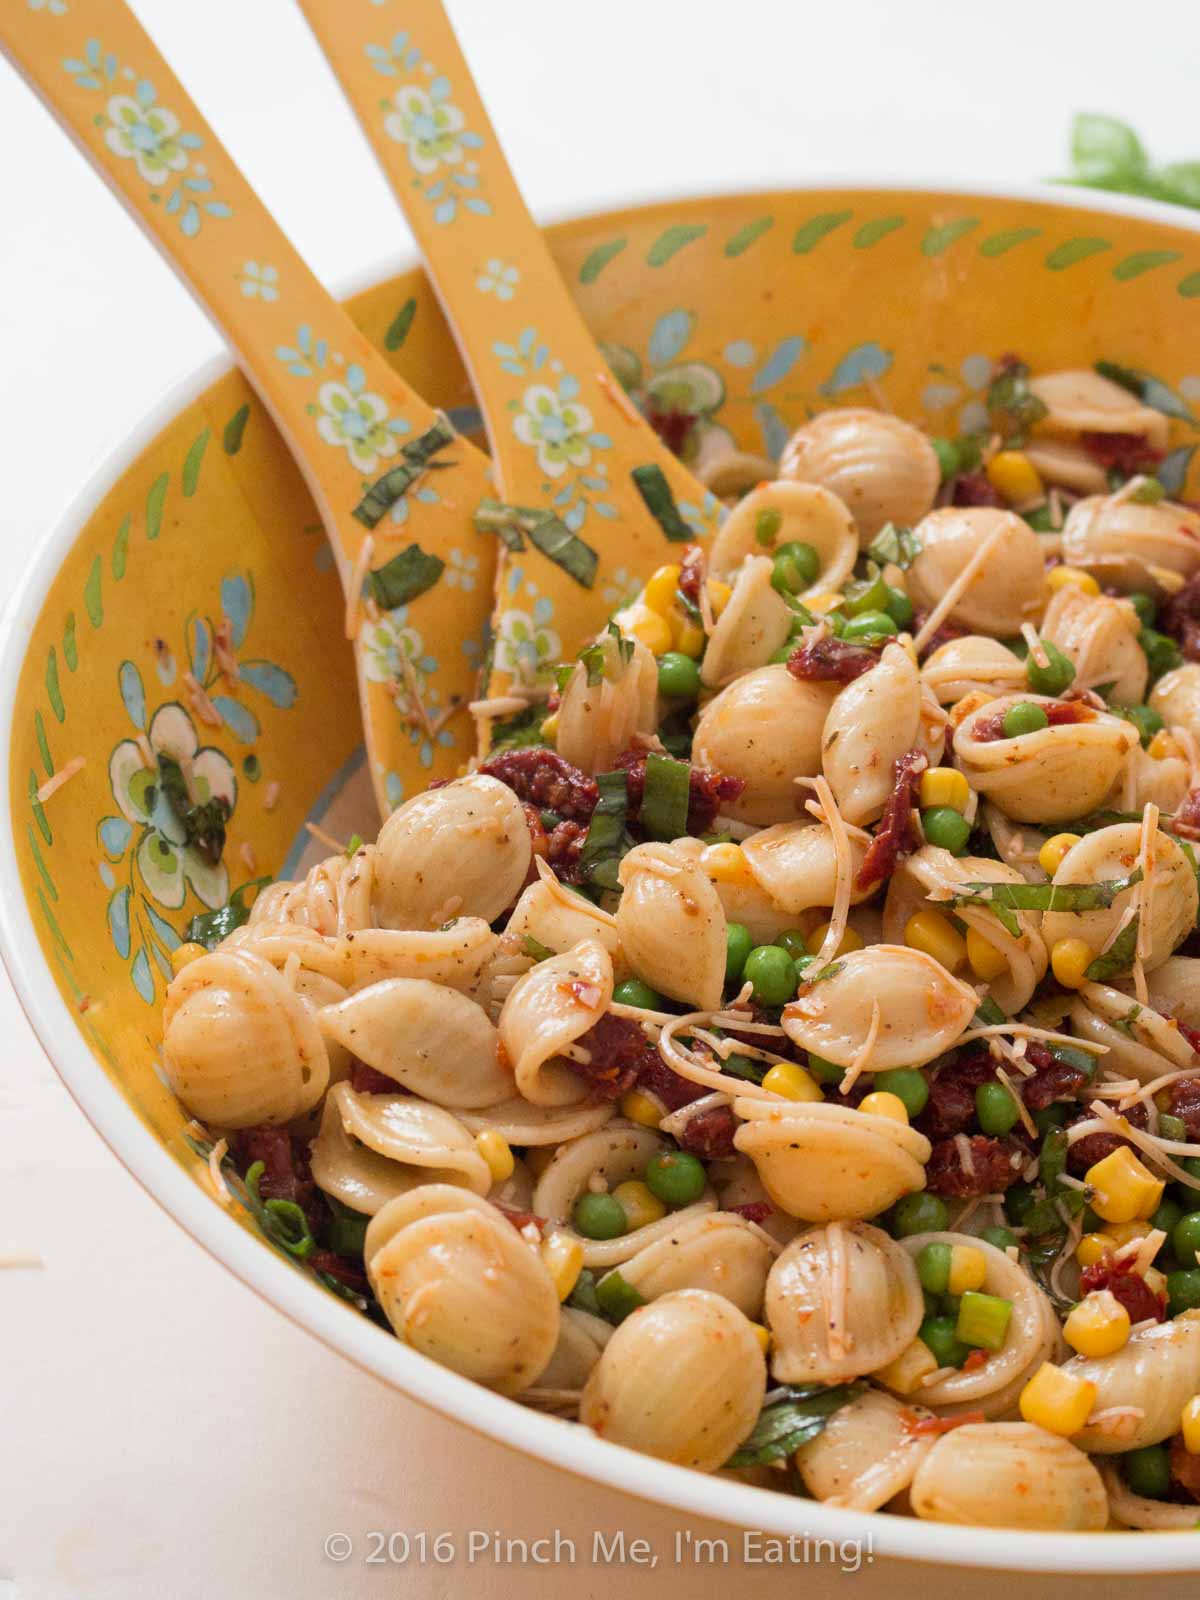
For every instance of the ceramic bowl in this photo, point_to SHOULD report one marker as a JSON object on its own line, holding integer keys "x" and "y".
{"x": 736, "y": 317}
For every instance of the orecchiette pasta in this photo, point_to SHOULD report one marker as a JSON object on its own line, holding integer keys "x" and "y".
{"x": 682, "y": 1379}
{"x": 1006, "y": 586}
{"x": 842, "y": 1300}
{"x": 598, "y": 719}
{"x": 719, "y": 1251}
{"x": 1176, "y": 697}
{"x": 334, "y": 899}
{"x": 1081, "y": 401}
{"x": 1009, "y": 1475}
{"x": 867, "y": 1452}
{"x": 1149, "y": 1380}
{"x": 671, "y": 925}
{"x": 581, "y": 1340}
{"x": 559, "y": 919}
{"x": 1099, "y": 635}
{"x": 546, "y": 1012}
{"x": 456, "y": 955}
{"x": 1111, "y": 854}
{"x": 1131, "y": 1510}
{"x": 884, "y": 469}
{"x": 775, "y": 514}
{"x": 765, "y": 728}
{"x": 795, "y": 864}
{"x": 870, "y": 725}
{"x": 1131, "y": 545}
{"x": 970, "y": 665}
{"x": 414, "y": 1134}
{"x": 1138, "y": 1040}
{"x": 1175, "y": 989}
{"x": 752, "y": 626}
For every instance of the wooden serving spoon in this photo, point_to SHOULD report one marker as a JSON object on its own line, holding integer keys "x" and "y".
{"x": 567, "y": 444}
{"x": 396, "y": 488}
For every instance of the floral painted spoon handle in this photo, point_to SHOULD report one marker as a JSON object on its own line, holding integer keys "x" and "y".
{"x": 564, "y": 438}
{"x": 397, "y": 490}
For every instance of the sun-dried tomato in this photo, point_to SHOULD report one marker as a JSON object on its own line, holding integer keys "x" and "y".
{"x": 754, "y": 1210}
{"x": 1126, "y": 1285}
{"x": 897, "y": 833}
{"x": 1186, "y": 821}
{"x": 709, "y": 1134}
{"x": 1180, "y": 617}
{"x": 1058, "y": 713}
{"x": 974, "y": 489}
{"x": 1185, "y": 1468}
{"x": 1093, "y": 1147}
{"x": 1126, "y": 453}
{"x": 950, "y": 1108}
{"x": 994, "y": 1167}
{"x": 672, "y": 427}
{"x": 658, "y": 1079}
{"x": 545, "y": 780}
{"x": 919, "y": 1427}
{"x": 345, "y": 1271}
{"x": 619, "y": 1053}
{"x": 365, "y": 1080}
{"x": 564, "y": 849}
{"x": 1053, "y": 1080}
{"x": 944, "y": 633}
{"x": 1185, "y": 1104}
{"x": 831, "y": 660}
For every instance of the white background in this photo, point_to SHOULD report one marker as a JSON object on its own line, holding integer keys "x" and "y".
{"x": 162, "y": 1433}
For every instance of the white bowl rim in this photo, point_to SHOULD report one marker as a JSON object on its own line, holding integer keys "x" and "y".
{"x": 545, "y": 1438}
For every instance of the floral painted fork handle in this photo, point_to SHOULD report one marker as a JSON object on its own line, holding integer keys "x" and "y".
{"x": 564, "y": 438}
{"x": 397, "y": 491}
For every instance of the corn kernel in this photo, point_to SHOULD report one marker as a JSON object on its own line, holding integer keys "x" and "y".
{"x": 1165, "y": 745}
{"x": 1123, "y": 1232}
{"x": 550, "y": 727}
{"x": 185, "y": 953}
{"x": 904, "y": 1374}
{"x": 821, "y": 603}
{"x": 1092, "y": 1246}
{"x": 659, "y": 593}
{"x": 687, "y": 636}
{"x": 986, "y": 961}
{"x": 638, "y": 1203}
{"x": 562, "y": 1257}
{"x": 1067, "y": 577}
{"x": 726, "y": 863}
{"x": 1189, "y": 1426}
{"x": 884, "y": 1104}
{"x": 1057, "y": 1400}
{"x": 944, "y": 786}
{"x": 497, "y": 1152}
{"x": 1125, "y": 1189}
{"x": 1098, "y": 1325}
{"x": 968, "y": 1269}
{"x": 850, "y": 941}
{"x": 962, "y": 709}
{"x": 1052, "y": 852}
{"x": 763, "y": 1335}
{"x": 1013, "y": 475}
{"x": 653, "y": 631}
{"x": 935, "y": 935}
{"x": 791, "y": 1081}
{"x": 718, "y": 595}
{"x": 1069, "y": 961}
{"x": 641, "y": 1108}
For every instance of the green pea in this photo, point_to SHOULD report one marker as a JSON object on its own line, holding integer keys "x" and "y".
{"x": 1146, "y": 607}
{"x": 1171, "y": 1127}
{"x": 1183, "y": 1290}
{"x": 899, "y": 607}
{"x": 933, "y": 1267}
{"x": 1145, "y": 719}
{"x": 1185, "y": 1237}
{"x": 678, "y": 676}
{"x": 919, "y": 1213}
{"x": 796, "y": 567}
{"x": 996, "y": 1109}
{"x": 633, "y": 992}
{"x": 773, "y": 974}
{"x": 825, "y": 1071}
{"x": 1147, "y": 1471}
{"x": 869, "y": 594}
{"x": 1051, "y": 1116}
{"x": 676, "y": 1178}
{"x": 599, "y": 1216}
{"x": 1161, "y": 651}
{"x": 793, "y": 941}
{"x": 944, "y": 1344}
{"x": 738, "y": 945}
{"x": 949, "y": 460}
{"x": 1148, "y": 493}
{"x": 870, "y": 625}
{"x": 1168, "y": 1214}
{"x": 1002, "y": 1238}
{"x": 767, "y": 524}
{"x": 970, "y": 451}
{"x": 1024, "y": 717}
{"x": 1055, "y": 677}
{"x": 1040, "y": 519}
{"x": 908, "y": 1085}
{"x": 946, "y": 828}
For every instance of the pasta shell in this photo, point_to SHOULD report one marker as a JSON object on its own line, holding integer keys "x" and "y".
{"x": 334, "y": 899}
{"x": 753, "y": 625}
{"x": 1100, "y": 636}
{"x": 358, "y": 1176}
{"x": 931, "y": 871}
{"x": 615, "y": 1153}
{"x": 841, "y": 1301}
{"x": 240, "y": 1045}
{"x": 921, "y": 1009}
{"x": 1155, "y": 1373}
{"x": 883, "y": 468}
{"x": 1113, "y": 852}
{"x": 1009, "y": 1475}
{"x": 581, "y": 1340}
{"x": 1005, "y": 591}
{"x": 1175, "y": 989}
{"x": 596, "y": 721}
{"x": 1176, "y": 698}
{"x": 866, "y": 1453}
{"x": 1140, "y": 1042}
{"x": 459, "y": 1285}
{"x": 433, "y": 1040}
{"x": 456, "y": 955}
{"x": 822, "y": 1162}
{"x": 524, "y": 1124}
{"x": 672, "y": 926}
{"x": 413, "y": 1133}
{"x": 546, "y": 1012}
{"x": 765, "y": 728}
{"x": 1150, "y": 780}
{"x": 743, "y": 898}
{"x": 1032, "y": 1336}
{"x": 560, "y": 919}
{"x": 1067, "y": 465}
{"x": 462, "y": 849}
{"x": 681, "y": 1379}
{"x": 1133, "y": 546}
{"x": 971, "y": 665}
{"x": 1059, "y": 773}
{"x": 1131, "y": 1510}
{"x": 796, "y": 865}
{"x": 737, "y": 1184}
{"x": 719, "y": 1251}
{"x": 810, "y": 515}
{"x": 1079, "y": 400}
{"x": 873, "y": 721}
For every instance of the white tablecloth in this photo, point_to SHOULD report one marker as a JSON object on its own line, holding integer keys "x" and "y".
{"x": 162, "y": 1432}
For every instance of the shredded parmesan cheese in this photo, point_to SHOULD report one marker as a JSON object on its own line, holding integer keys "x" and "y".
{"x": 215, "y": 1156}
{"x": 959, "y": 586}
{"x": 863, "y": 1056}
{"x": 1027, "y": 1121}
{"x": 200, "y": 703}
{"x": 965, "y": 1154}
{"x": 270, "y": 796}
{"x": 613, "y": 391}
{"x": 326, "y": 839}
{"x": 64, "y": 775}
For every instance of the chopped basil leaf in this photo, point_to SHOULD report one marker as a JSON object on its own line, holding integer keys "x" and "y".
{"x": 899, "y": 546}
{"x": 535, "y": 948}
{"x": 1052, "y": 1162}
{"x": 786, "y": 1424}
{"x": 650, "y": 481}
{"x": 355, "y": 844}
{"x": 518, "y": 732}
{"x": 1118, "y": 957}
{"x": 1045, "y": 896}
{"x": 545, "y": 531}
{"x": 988, "y": 1014}
{"x": 665, "y": 798}
{"x": 417, "y": 456}
{"x": 204, "y": 824}
{"x": 404, "y": 577}
{"x": 211, "y": 927}
{"x": 1012, "y": 404}
{"x": 606, "y": 836}
{"x": 830, "y": 970}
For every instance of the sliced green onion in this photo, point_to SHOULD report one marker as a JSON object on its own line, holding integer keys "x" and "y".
{"x": 535, "y": 948}
{"x": 983, "y": 1320}
{"x": 617, "y": 1297}
{"x": 898, "y": 546}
